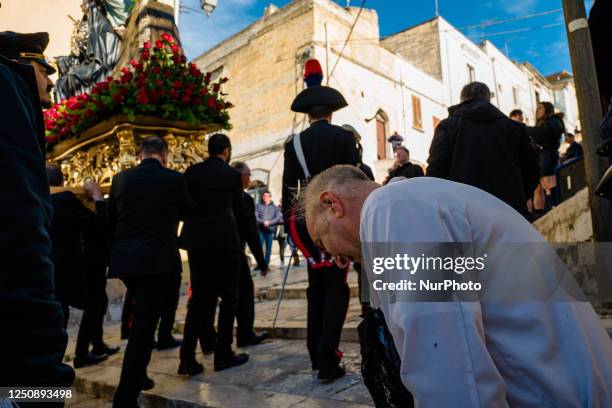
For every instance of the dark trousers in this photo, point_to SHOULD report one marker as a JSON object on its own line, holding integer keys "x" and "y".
{"x": 170, "y": 301}
{"x": 214, "y": 275}
{"x": 328, "y": 298}
{"x": 92, "y": 322}
{"x": 245, "y": 315}
{"x": 146, "y": 292}
{"x": 282, "y": 245}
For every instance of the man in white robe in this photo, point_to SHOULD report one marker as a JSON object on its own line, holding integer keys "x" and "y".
{"x": 456, "y": 354}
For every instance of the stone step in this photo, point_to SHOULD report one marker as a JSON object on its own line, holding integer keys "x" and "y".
{"x": 292, "y": 319}
{"x": 298, "y": 291}
{"x": 277, "y": 375}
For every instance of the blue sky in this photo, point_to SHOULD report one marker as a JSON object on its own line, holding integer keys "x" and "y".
{"x": 535, "y": 32}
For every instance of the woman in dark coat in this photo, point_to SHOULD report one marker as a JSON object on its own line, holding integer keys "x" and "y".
{"x": 546, "y": 137}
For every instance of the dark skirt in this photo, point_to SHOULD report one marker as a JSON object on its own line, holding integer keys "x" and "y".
{"x": 548, "y": 160}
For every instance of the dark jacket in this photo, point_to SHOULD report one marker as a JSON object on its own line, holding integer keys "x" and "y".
{"x": 324, "y": 145}
{"x": 547, "y": 134}
{"x": 480, "y": 146}
{"x": 407, "y": 170}
{"x": 367, "y": 170}
{"x": 601, "y": 32}
{"x": 573, "y": 151}
{"x": 216, "y": 189}
{"x": 249, "y": 233}
{"x": 32, "y": 335}
{"x": 71, "y": 221}
{"x": 145, "y": 206}
{"x": 269, "y": 213}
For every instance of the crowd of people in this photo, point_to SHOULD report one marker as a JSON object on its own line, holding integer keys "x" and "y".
{"x": 478, "y": 186}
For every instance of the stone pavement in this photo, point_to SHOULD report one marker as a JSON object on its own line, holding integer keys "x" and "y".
{"x": 277, "y": 375}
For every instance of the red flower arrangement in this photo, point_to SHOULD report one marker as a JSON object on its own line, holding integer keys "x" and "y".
{"x": 161, "y": 84}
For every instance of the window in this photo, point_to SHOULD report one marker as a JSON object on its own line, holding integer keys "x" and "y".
{"x": 471, "y": 73}
{"x": 381, "y": 136}
{"x": 417, "y": 116}
{"x": 515, "y": 95}
{"x": 436, "y": 122}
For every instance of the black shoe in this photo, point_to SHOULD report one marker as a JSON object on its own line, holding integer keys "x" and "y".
{"x": 328, "y": 377}
{"x": 105, "y": 349}
{"x": 89, "y": 359}
{"x": 168, "y": 343}
{"x": 147, "y": 384}
{"x": 232, "y": 360}
{"x": 254, "y": 340}
{"x": 190, "y": 368}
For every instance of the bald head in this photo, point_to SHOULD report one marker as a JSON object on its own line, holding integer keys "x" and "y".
{"x": 331, "y": 205}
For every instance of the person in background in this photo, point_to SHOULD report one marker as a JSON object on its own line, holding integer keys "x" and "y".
{"x": 402, "y": 166}
{"x": 364, "y": 167}
{"x": 574, "y": 149}
{"x": 146, "y": 204}
{"x": 268, "y": 217}
{"x": 396, "y": 140}
{"x": 245, "y": 315}
{"x": 517, "y": 116}
{"x": 29, "y": 311}
{"x": 75, "y": 284}
{"x": 546, "y": 136}
{"x": 480, "y": 146}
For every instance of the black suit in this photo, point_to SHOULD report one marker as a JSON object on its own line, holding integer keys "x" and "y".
{"x": 80, "y": 279}
{"x": 146, "y": 205}
{"x": 32, "y": 337}
{"x": 245, "y": 315}
{"x": 324, "y": 146}
{"x": 212, "y": 238}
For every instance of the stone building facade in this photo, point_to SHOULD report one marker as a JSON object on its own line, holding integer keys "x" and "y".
{"x": 404, "y": 82}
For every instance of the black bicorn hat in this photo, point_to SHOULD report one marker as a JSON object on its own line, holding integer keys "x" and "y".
{"x": 29, "y": 46}
{"x": 316, "y": 95}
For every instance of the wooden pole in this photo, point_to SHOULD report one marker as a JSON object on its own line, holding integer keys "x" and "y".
{"x": 587, "y": 90}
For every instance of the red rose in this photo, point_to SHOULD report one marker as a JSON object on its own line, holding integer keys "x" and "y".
{"x": 89, "y": 113}
{"x": 126, "y": 77}
{"x": 167, "y": 37}
{"x": 176, "y": 59}
{"x": 118, "y": 97}
{"x": 197, "y": 100}
{"x": 178, "y": 84}
{"x": 219, "y": 106}
{"x": 174, "y": 48}
{"x": 223, "y": 80}
{"x": 168, "y": 73}
{"x": 186, "y": 99}
{"x": 147, "y": 45}
{"x": 212, "y": 102}
{"x": 203, "y": 92}
{"x": 174, "y": 94}
{"x": 207, "y": 78}
{"x": 216, "y": 87}
{"x": 159, "y": 44}
{"x": 83, "y": 97}
{"x": 134, "y": 63}
{"x": 142, "y": 97}
{"x": 159, "y": 83}
{"x": 144, "y": 56}
{"x": 51, "y": 138}
{"x": 64, "y": 131}
{"x": 183, "y": 59}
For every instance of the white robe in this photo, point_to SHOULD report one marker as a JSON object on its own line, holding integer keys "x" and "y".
{"x": 522, "y": 354}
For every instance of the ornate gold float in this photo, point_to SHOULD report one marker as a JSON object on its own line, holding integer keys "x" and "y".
{"x": 112, "y": 146}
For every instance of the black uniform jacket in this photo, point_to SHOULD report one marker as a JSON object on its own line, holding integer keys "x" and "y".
{"x": 324, "y": 146}
{"x": 71, "y": 221}
{"x": 480, "y": 146}
{"x": 145, "y": 206}
{"x": 32, "y": 335}
{"x": 218, "y": 215}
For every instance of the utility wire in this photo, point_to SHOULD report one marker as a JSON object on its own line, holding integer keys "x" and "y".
{"x": 348, "y": 37}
